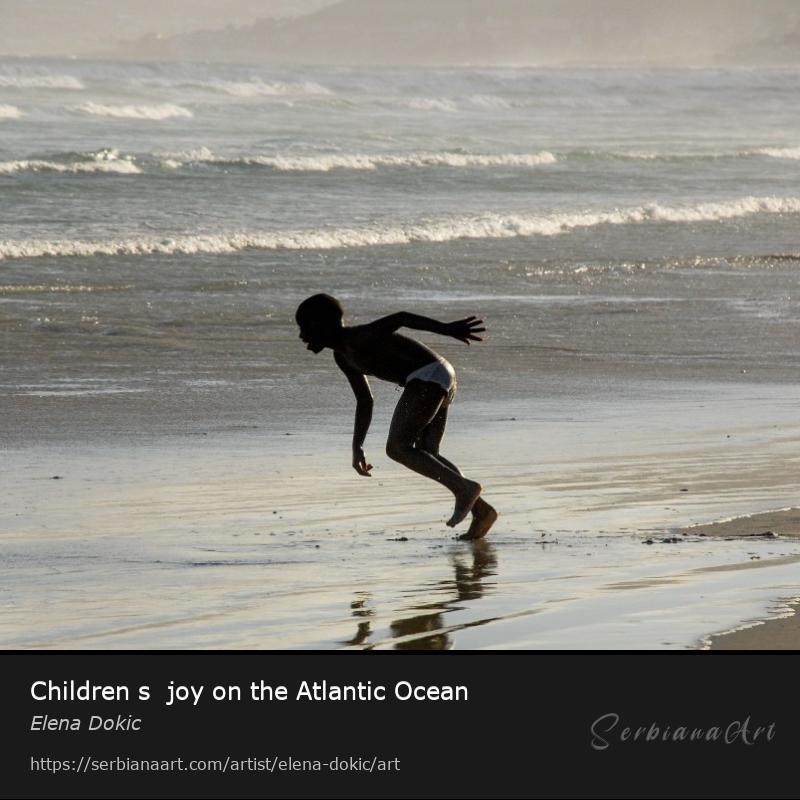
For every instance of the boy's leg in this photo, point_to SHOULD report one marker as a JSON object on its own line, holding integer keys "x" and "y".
{"x": 483, "y": 515}
{"x": 431, "y": 437}
{"x": 418, "y": 406}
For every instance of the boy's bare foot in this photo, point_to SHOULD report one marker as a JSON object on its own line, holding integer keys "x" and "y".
{"x": 464, "y": 502}
{"x": 483, "y": 517}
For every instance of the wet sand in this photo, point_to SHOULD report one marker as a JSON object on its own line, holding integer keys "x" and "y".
{"x": 267, "y": 539}
{"x": 783, "y": 632}
{"x": 769, "y": 525}
{"x": 773, "y": 634}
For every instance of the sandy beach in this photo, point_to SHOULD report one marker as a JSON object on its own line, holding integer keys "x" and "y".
{"x": 768, "y": 525}
{"x": 266, "y": 539}
{"x": 782, "y": 631}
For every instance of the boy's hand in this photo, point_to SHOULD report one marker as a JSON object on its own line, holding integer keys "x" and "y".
{"x": 360, "y": 462}
{"x": 465, "y": 329}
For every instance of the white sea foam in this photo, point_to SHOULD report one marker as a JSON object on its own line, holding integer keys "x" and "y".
{"x": 121, "y": 167}
{"x": 432, "y": 104}
{"x": 40, "y": 82}
{"x": 103, "y": 161}
{"x": 484, "y": 226}
{"x": 201, "y": 153}
{"x": 649, "y": 155}
{"x": 260, "y": 88}
{"x": 39, "y": 288}
{"x": 10, "y": 112}
{"x": 792, "y": 153}
{"x": 490, "y": 101}
{"x": 327, "y": 162}
{"x": 155, "y": 112}
{"x": 645, "y": 155}
{"x": 253, "y": 87}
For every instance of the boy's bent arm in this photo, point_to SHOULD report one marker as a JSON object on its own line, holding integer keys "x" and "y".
{"x": 360, "y": 386}
{"x": 463, "y": 329}
{"x": 405, "y": 319}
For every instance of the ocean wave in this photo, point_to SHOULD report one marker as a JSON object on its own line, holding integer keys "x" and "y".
{"x": 432, "y": 104}
{"x": 121, "y": 167}
{"x": 701, "y": 155}
{"x": 490, "y": 101}
{"x": 254, "y": 87}
{"x": 61, "y": 288}
{"x": 155, "y": 112}
{"x": 103, "y": 161}
{"x": 325, "y": 163}
{"x": 40, "y": 82}
{"x": 651, "y": 155}
{"x": 111, "y": 161}
{"x": 766, "y": 258}
{"x": 260, "y": 88}
{"x": 10, "y": 112}
{"x": 792, "y": 153}
{"x": 484, "y": 226}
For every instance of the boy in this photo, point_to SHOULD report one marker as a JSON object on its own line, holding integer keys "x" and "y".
{"x": 421, "y": 415}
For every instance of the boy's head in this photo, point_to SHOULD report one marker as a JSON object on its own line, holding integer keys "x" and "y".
{"x": 319, "y": 318}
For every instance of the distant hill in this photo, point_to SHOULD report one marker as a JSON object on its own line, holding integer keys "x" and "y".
{"x": 74, "y": 27}
{"x": 547, "y": 32}
{"x": 775, "y": 49}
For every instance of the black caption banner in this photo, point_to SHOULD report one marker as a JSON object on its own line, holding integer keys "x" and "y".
{"x": 132, "y": 724}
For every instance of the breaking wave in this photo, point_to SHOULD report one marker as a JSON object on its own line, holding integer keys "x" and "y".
{"x": 484, "y": 226}
{"x": 155, "y": 112}
{"x": 432, "y": 104}
{"x": 325, "y": 163}
{"x": 254, "y": 87}
{"x": 700, "y": 155}
{"x": 490, "y": 101}
{"x": 40, "y": 82}
{"x": 103, "y": 161}
{"x": 260, "y": 88}
{"x": 10, "y": 112}
{"x": 781, "y": 152}
{"x": 121, "y": 167}
{"x": 45, "y": 288}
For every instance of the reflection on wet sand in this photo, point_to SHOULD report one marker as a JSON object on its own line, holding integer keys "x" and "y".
{"x": 360, "y": 609}
{"x": 427, "y": 630}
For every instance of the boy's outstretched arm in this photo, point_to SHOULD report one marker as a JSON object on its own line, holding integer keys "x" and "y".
{"x": 360, "y": 386}
{"x": 462, "y": 329}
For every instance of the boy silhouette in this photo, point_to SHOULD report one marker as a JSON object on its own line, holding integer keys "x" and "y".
{"x": 421, "y": 415}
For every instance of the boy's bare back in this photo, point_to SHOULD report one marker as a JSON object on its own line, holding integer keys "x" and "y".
{"x": 388, "y": 356}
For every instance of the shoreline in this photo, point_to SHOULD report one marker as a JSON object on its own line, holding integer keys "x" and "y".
{"x": 775, "y": 633}
{"x": 783, "y": 522}
{"x": 772, "y": 633}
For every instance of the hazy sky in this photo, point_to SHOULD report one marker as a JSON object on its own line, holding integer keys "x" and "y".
{"x": 549, "y": 32}
{"x": 73, "y": 27}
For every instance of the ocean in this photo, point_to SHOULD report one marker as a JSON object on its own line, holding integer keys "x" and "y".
{"x": 191, "y": 204}
{"x": 630, "y": 237}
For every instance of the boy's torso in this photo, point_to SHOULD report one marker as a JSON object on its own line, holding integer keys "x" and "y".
{"x": 391, "y": 358}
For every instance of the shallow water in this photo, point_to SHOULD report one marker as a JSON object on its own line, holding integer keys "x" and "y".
{"x": 161, "y": 222}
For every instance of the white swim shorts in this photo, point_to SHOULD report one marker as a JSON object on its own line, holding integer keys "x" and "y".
{"x": 441, "y": 372}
